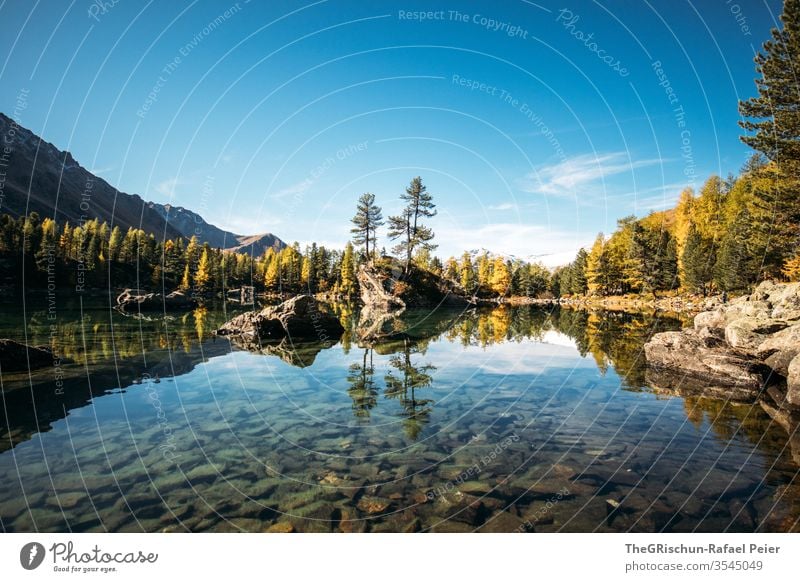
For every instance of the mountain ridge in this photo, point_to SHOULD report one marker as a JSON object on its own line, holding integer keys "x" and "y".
{"x": 36, "y": 176}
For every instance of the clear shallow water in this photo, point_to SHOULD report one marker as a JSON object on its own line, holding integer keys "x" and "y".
{"x": 512, "y": 419}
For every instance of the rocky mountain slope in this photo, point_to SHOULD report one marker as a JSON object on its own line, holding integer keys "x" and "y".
{"x": 189, "y": 223}
{"x": 35, "y": 176}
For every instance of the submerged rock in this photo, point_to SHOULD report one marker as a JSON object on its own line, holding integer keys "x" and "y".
{"x": 373, "y": 505}
{"x": 299, "y": 318}
{"x": 743, "y": 345}
{"x": 129, "y": 300}
{"x": 15, "y": 356}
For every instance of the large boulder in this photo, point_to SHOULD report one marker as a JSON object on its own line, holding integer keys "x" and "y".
{"x": 748, "y": 333}
{"x": 388, "y": 286}
{"x": 793, "y": 382}
{"x": 15, "y": 356}
{"x": 704, "y": 357}
{"x": 377, "y": 290}
{"x": 299, "y": 319}
{"x": 780, "y": 348}
{"x": 131, "y": 301}
{"x": 751, "y": 341}
{"x": 783, "y": 300}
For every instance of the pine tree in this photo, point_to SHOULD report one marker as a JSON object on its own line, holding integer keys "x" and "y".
{"x": 597, "y": 268}
{"x": 791, "y": 269}
{"x": 707, "y": 214}
{"x": 347, "y": 285}
{"x": 773, "y": 126}
{"x": 435, "y": 266}
{"x": 114, "y": 244}
{"x": 653, "y": 259}
{"x": 407, "y": 226}
{"x": 192, "y": 253}
{"x": 774, "y": 116}
{"x": 484, "y": 268}
{"x": 577, "y": 283}
{"x": 451, "y": 269}
{"x": 734, "y": 268}
{"x": 186, "y": 282}
{"x": 272, "y": 272}
{"x": 683, "y": 224}
{"x": 698, "y": 262}
{"x": 46, "y": 253}
{"x": 366, "y": 222}
{"x": 467, "y": 273}
{"x": 202, "y": 276}
{"x": 500, "y": 281}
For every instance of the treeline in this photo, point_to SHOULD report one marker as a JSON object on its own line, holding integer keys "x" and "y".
{"x": 724, "y": 238}
{"x": 92, "y": 254}
{"x": 734, "y": 232}
{"x": 482, "y": 275}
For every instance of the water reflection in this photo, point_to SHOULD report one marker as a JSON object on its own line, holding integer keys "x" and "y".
{"x": 363, "y": 389}
{"x": 442, "y": 421}
{"x": 403, "y": 386}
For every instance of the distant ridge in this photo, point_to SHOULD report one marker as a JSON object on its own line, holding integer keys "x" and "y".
{"x": 35, "y": 176}
{"x": 189, "y": 224}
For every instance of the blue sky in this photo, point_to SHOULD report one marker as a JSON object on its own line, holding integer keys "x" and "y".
{"x": 534, "y": 125}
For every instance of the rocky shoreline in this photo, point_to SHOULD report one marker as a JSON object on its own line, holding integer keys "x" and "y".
{"x": 678, "y": 304}
{"x": 747, "y": 350}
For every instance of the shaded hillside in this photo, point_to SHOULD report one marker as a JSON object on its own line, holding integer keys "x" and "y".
{"x": 41, "y": 178}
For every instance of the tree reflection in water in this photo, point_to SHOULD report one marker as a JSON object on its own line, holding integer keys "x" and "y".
{"x": 415, "y": 412}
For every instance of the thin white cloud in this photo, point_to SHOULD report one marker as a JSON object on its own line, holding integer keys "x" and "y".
{"x": 167, "y": 187}
{"x": 101, "y": 171}
{"x": 659, "y": 197}
{"x": 297, "y": 189}
{"x": 578, "y": 174}
{"x": 503, "y": 206}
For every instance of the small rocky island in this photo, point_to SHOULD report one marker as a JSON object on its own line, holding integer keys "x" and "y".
{"x": 300, "y": 318}
{"x": 132, "y": 301}
{"x": 387, "y": 290}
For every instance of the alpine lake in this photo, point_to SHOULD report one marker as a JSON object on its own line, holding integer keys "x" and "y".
{"x": 491, "y": 419}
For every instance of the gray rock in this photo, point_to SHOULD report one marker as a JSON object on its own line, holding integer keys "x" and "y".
{"x": 504, "y": 522}
{"x": 299, "y": 318}
{"x": 374, "y": 293}
{"x": 132, "y": 301}
{"x": 710, "y": 319}
{"x": 15, "y": 357}
{"x": 742, "y": 344}
{"x": 757, "y": 309}
{"x": 793, "y": 382}
{"x": 690, "y": 353}
{"x": 747, "y": 333}
{"x": 780, "y": 348}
